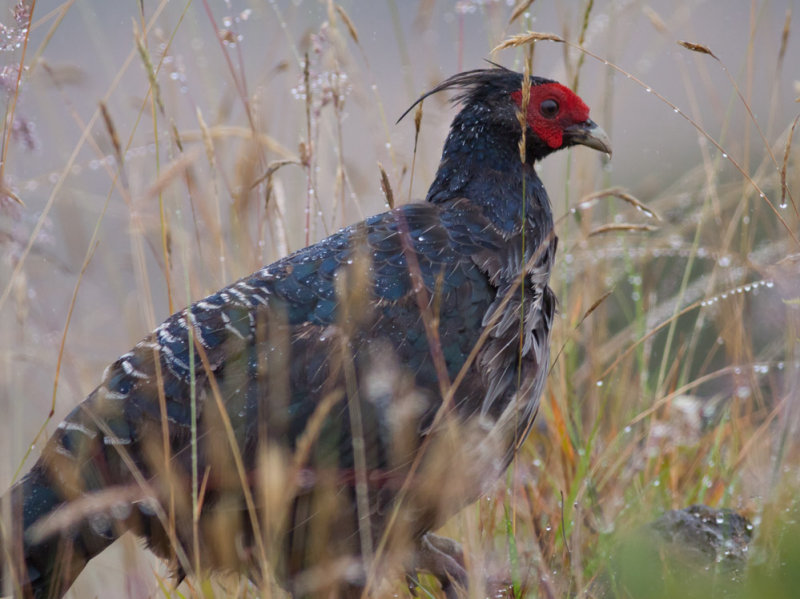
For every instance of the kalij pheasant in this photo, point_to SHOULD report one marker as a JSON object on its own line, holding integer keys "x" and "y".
{"x": 347, "y": 399}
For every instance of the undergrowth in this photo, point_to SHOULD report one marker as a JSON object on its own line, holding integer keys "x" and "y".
{"x": 150, "y": 158}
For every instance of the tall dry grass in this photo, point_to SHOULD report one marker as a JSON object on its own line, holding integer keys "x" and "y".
{"x": 151, "y": 158}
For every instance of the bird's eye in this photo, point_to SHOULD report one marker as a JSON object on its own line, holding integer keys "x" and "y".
{"x": 548, "y": 108}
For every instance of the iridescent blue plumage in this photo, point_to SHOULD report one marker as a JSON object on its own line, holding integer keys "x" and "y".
{"x": 440, "y": 306}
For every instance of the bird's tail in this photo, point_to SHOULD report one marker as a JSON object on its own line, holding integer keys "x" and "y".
{"x": 43, "y": 553}
{"x": 67, "y": 509}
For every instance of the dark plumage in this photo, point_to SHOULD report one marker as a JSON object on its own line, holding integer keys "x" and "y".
{"x": 343, "y": 353}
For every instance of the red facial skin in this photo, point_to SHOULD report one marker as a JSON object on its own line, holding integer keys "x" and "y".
{"x": 550, "y": 128}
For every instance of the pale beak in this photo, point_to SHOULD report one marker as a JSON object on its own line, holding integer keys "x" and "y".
{"x": 588, "y": 134}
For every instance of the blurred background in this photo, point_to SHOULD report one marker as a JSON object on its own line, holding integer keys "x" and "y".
{"x": 224, "y": 135}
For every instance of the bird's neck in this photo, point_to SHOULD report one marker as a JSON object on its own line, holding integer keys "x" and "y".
{"x": 483, "y": 165}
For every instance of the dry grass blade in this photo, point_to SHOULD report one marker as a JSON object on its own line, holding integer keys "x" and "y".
{"x": 785, "y": 35}
{"x": 148, "y": 67}
{"x": 586, "y": 314}
{"x": 655, "y": 19}
{"x": 417, "y": 122}
{"x": 229, "y": 132}
{"x": 6, "y": 192}
{"x": 89, "y": 504}
{"x": 176, "y": 135}
{"x": 621, "y": 227}
{"x": 208, "y": 143}
{"x": 177, "y": 168}
{"x": 527, "y": 38}
{"x": 519, "y": 10}
{"x": 581, "y": 39}
{"x": 626, "y": 197}
{"x": 386, "y": 187}
{"x": 595, "y": 305}
{"x": 616, "y": 192}
{"x": 310, "y": 434}
{"x": 272, "y": 168}
{"x": 351, "y": 28}
{"x": 697, "y": 48}
{"x": 784, "y": 187}
{"x": 417, "y": 125}
{"x": 238, "y": 461}
{"x": 112, "y": 132}
{"x": 522, "y": 113}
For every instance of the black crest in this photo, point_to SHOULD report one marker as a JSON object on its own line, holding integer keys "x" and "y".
{"x": 479, "y": 85}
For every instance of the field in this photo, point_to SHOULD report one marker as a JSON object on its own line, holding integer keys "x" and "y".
{"x": 150, "y": 158}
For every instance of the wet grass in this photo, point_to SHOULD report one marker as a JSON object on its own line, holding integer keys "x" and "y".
{"x": 179, "y": 149}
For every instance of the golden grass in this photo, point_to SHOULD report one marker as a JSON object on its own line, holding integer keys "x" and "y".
{"x": 675, "y": 367}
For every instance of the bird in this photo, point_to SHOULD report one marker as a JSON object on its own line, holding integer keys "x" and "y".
{"x": 328, "y": 412}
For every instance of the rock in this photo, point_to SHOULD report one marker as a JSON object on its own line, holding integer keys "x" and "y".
{"x": 695, "y": 552}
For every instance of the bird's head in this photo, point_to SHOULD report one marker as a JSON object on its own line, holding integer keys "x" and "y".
{"x": 556, "y": 117}
{"x": 560, "y": 118}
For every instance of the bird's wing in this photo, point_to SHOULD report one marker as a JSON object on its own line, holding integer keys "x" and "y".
{"x": 281, "y": 326}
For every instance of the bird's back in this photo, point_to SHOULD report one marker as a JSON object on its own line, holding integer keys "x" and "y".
{"x": 334, "y": 407}
{"x": 398, "y": 303}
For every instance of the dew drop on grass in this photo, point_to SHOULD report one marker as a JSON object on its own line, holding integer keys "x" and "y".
{"x": 724, "y": 155}
{"x": 599, "y": 383}
{"x": 648, "y": 90}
